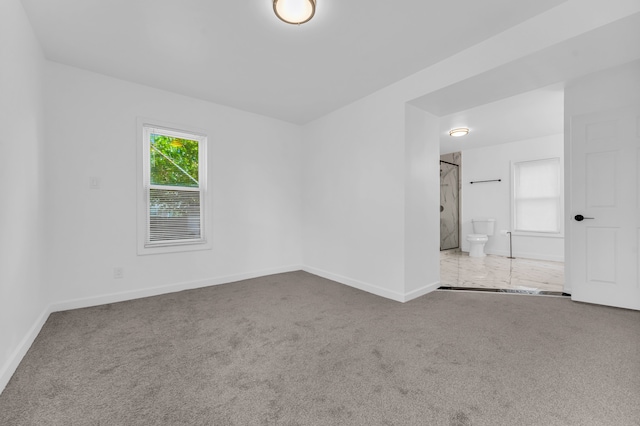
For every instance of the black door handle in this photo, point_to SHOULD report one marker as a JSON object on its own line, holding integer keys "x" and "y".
{"x": 580, "y": 218}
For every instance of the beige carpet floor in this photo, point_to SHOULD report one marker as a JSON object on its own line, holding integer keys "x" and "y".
{"x": 296, "y": 349}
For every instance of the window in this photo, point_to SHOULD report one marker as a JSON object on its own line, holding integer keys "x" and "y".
{"x": 537, "y": 196}
{"x": 173, "y": 190}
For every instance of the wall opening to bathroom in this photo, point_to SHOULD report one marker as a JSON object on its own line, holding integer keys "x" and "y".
{"x": 524, "y": 128}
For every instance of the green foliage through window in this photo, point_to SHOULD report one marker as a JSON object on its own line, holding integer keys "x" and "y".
{"x": 174, "y": 161}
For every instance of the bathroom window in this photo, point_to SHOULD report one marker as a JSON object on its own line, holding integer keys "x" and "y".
{"x": 537, "y": 196}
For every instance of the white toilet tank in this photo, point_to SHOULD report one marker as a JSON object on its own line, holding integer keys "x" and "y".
{"x": 483, "y": 226}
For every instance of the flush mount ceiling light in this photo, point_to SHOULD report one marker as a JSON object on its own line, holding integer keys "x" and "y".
{"x": 460, "y": 131}
{"x": 294, "y": 11}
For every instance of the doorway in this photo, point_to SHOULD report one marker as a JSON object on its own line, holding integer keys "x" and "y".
{"x": 524, "y": 255}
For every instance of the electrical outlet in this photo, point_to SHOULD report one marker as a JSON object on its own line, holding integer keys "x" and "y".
{"x": 118, "y": 272}
{"x": 94, "y": 182}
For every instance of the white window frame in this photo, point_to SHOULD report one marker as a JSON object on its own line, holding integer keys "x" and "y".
{"x": 144, "y": 129}
{"x": 560, "y": 200}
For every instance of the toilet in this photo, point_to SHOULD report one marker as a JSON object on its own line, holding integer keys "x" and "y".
{"x": 483, "y": 229}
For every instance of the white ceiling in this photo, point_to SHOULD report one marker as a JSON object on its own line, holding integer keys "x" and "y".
{"x": 237, "y": 53}
{"x": 501, "y": 105}
{"x": 529, "y": 115}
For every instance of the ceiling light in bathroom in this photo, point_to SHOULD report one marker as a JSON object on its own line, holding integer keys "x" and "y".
{"x": 460, "y": 131}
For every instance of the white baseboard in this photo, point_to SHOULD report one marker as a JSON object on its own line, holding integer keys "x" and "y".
{"x": 7, "y": 370}
{"x": 171, "y": 288}
{"x": 360, "y": 285}
{"x": 373, "y": 289}
{"x": 534, "y": 256}
{"x": 421, "y": 291}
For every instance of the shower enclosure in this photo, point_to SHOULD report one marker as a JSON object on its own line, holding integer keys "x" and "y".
{"x": 449, "y": 205}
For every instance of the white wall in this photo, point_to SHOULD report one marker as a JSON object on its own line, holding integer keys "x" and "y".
{"x": 493, "y": 199}
{"x": 608, "y": 89}
{"x": 353, "y": 199}
{"x": 254, "y": 178}
{"x": 22, "y": 293}
{"x": 421, "y": 204}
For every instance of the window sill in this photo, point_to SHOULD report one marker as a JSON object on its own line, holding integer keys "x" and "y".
{"x": 178, "y": 248}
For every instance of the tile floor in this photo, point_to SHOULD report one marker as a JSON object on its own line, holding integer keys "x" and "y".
{"x": 457, "y": 269}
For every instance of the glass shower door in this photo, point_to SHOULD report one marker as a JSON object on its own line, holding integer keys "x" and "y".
{"x": 449, "y": 206}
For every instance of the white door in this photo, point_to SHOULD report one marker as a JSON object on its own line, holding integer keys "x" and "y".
{"x": 605, "y": 183}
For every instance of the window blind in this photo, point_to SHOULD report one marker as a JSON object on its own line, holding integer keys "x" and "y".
{"x": 537, "y": 196}
{"x": 174, "y": 215}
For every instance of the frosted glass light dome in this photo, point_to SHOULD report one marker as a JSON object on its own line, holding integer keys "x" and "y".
{"x": 294, "y": 11}
{"x": 460, "y": 131}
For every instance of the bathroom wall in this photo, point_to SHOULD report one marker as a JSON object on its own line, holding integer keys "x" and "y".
{"x": 493, "y": 199}
{"x": 450, "y": 201}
